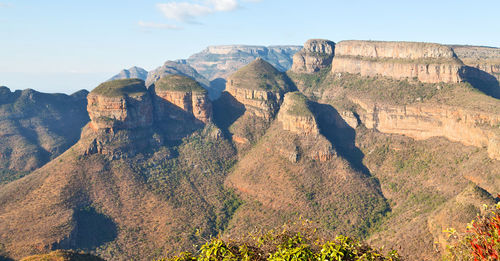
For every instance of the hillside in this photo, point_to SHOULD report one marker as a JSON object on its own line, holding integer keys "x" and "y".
{"x": 130, "y": 73}
{"x": 388, "y": 142}
{"x": 37, "y": 127}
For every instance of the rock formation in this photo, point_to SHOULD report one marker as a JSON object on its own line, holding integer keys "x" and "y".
{"x": 316, "y": 55}
{"x": 183, "y": 93}
{"x": 296, "y": 117}
{"x": 222, "y": 61}
{"x": 131, "y": 73}
{"x": 426, "y": 62}
{"x": 476, "y": 128}
{"x": 486, "y": 59}
{"x": 178, "y": 68}
{"x": 259, "y": 87}
{"x": 120, "y": 104}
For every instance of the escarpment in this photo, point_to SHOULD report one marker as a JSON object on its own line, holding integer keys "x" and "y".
{"x": 185, "y": 94}
{"x": 469, "y": 127}
{"x": 486, "y": 59}
{"x": 316, "y": 55}
{"x": 427, "y": 62}
{"x": 259, "y": 87}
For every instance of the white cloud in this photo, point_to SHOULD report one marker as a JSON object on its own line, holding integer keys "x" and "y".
{"x": 188, "y": 12}
{"x": 183, "y": 11}
{"x": 224, "y": 5}
{"x": 152, "y": 25}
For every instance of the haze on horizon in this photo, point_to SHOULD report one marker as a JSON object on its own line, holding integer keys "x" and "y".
{"x": 61, "y": 46}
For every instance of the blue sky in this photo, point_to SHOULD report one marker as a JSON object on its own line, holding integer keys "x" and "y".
{"x": 63, "y": 46}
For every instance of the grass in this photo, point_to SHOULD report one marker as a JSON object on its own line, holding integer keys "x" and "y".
{"x": 178, "y": 83}
{"x": 299, "y": 104}
{"x": 117, "y": 88}
{"x": 260, "y": 75}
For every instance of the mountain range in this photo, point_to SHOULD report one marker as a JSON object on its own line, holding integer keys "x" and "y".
{"x": 389, "y": 142}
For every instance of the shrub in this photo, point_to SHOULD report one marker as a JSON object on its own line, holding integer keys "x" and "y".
{"x": 288, "y": 243}
{"x": 481, "y": 241}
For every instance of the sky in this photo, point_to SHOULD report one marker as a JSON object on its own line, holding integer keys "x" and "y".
{"x": 64, "y": 46}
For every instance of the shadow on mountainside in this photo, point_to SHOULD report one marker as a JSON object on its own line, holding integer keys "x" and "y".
{"x": 226, "y": 111}
{"x": 92, "y": 230}
{"x": 483, "y": 81}
{"x": 341, "y": 135}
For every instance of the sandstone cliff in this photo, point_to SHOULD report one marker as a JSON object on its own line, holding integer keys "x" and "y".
{"x": 259, "y": 87}
{"x": 120, "y": 104}
{"x": 295, "y": 116}
{"x": 476, "y": 128}
{"x": 426, "y": 62}
{"x": 183, "y": 93}
{"x": 316, "y": 55}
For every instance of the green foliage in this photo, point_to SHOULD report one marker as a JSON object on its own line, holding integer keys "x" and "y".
{"x": 120, "y": 87}
{"x": 481, "y": 241}
{"x": 286, "y": 244}
{"x": 260, "y": 75}
{"x": 300, "y": 104}
{"x": 174, "y": 82}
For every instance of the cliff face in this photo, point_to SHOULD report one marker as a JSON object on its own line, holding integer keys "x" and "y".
{"x": 427, "y": 62}
{"x": 469, "y": 127}
{"x": 259, "y": 87}
{"x": 222, "y": 61}
{"x": 184, "y": 94}
{"x": 295, "y": 116}
{"x": 125, "y": 110}
{"x": 316, "y": 55}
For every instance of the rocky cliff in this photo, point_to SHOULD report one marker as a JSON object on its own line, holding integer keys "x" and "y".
{"x": 426, "y": 62}
{"x": 316, "y": 55}
{"x": 221, "y": 61}
{"x": 120, "y": 104}
{"x": 131, "y": 73}
{"x": 486, "y": 59}
{"x": 183, "y": 93}
{"x": 259, "y": 87}
{"x": 295, "y": 116}
{"x": 475, "y": 128}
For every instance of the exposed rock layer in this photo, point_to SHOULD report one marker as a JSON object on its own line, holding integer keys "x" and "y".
{"x": 316, "y": 55}
{"x": 427, "y": 62}
{"x": 474, "y": 128}
{"x": 259, "y": 87}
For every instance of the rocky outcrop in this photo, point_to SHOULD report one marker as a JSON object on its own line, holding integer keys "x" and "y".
{"x": 222, "y": 61}
{"x": 176, "y": 68}
{"x": 296, "y": 117}
{"x": 120, "y": 104}
{"x": 316, "y": 55}
{"x": 131, "y": 73}
{"x": 259, "y": 87}
{"x": 426, "y": 62}
{"x": 183, "y": 93}
{"x": 475, "y": 128}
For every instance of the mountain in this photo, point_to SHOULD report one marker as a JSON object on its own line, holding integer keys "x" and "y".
{"x": 37, "y": 127}
{"x": 132, "y": 72}
{"x": 390, "y": 142}
{"x": 218, "y": 62}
